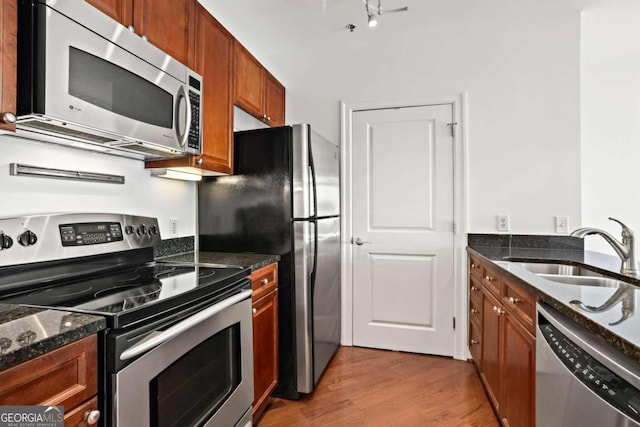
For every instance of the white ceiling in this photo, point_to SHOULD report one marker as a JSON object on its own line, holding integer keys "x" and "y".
{"x": 270, "y": 27}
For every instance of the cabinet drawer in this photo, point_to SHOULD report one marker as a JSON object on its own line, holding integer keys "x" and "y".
{"x": 475, "y": 310}
{"x": 264, "y": 281}
{"x": 475, "y": 288}
{"x": 475, "y": 267}
{"x": 491, "y": 280}
{"x": 78, "y": 416}
{"x": 475, "y": 343}
{"x": 65, "y": 376}
{"x": 520, "y": 303}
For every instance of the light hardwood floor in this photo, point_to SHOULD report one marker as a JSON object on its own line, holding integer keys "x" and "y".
{"x": 365, "y": 387}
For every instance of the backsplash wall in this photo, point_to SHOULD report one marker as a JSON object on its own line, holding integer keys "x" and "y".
{"x": 140, "y": 195}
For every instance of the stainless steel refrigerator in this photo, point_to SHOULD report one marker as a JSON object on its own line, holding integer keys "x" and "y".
{"x": 284, "y": 198}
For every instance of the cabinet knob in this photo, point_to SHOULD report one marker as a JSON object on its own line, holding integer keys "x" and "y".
{"x": 133, "y": 30}
{"x": 264, "y": 281}
{"x": 474, "y": 342}
{"x": 254, "y": 311}
{"x": 92, "y": 417}
{"x": 145, "y": 38}
{"x": 488, "y": 278}
{"x": 268, "y": 118}
{"x": 474, "y": 311}
{"x": 474, "y": 266}
{"x": 474, "y": 288}
{"x": 513, "y": 300}
{"x": 9, "y": 118}
{"x": 199, "y": 161}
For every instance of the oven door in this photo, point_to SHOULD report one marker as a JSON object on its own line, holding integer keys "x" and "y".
{"x": 92, "y": 82}
{"x": 202, "y": 375}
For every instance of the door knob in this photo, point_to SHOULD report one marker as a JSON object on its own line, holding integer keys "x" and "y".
{"x": 360, "y": 242}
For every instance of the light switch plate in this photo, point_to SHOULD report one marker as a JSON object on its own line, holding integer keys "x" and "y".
{"x": 173, "y": 225}
{"x": 562, "y": 224}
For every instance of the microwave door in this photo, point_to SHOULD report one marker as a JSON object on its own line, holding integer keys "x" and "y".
{"x": 104, "y": 87}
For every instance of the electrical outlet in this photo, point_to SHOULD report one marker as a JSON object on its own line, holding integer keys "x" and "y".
{"x": 173, "y": 225}
{"x": 503, "y": 222}
{"x": 562, "y": 224}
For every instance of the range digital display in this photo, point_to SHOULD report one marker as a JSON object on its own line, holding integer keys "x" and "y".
{"x": 91, "y": 233}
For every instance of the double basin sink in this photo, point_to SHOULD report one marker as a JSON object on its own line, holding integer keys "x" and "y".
{"x": 571, "y": 275}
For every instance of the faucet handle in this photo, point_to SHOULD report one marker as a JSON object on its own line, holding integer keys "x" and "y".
{"x": 626, "y": 231}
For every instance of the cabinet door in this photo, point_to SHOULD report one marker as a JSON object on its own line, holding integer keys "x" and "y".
{"x": 491, "y": 347}
{"x": 274, "y": 100}
{"x": 166, "y": 24}
{"x": 212, "y": 58}
{"x": 65, "y": 376}
{"x": 8, "y": 63}
{"x": 248, "y": 82}
{"x": 265, "y": 350}
{"x": 120, "y": 10}
{"x": 517, "y": 406}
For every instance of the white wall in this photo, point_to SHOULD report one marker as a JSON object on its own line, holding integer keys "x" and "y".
{"x": 518, "y": 63}
{"x": 140, "y": 195}
{"x": 610, "y": 103}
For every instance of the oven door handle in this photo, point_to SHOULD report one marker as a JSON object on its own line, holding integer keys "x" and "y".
{"x": 160, "y": 337}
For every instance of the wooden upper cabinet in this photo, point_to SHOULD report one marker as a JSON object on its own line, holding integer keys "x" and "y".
{"x": 8, "y": 63}
{"x": 274, "y": 99}
{"x": 120, "y": 10}
{"x": 211, "y": 56}
{"x": 256, "y": 91}
{"x": 165, "y": 23}
{"x": 249, "y": 83}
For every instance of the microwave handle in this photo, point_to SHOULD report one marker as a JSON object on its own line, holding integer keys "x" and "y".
{"x": 184, "y": 94}
{"x": 157, "y": 338}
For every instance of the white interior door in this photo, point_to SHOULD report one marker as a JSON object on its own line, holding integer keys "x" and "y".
{"x": 402, "y": 162}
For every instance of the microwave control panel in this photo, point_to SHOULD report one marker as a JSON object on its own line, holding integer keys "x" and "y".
{"x": 194, "y": 98}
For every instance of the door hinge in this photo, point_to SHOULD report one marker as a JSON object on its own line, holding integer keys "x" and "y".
{"x": 454, "y": 323}
{"x": 455, "y": 227}
{"x": 453, "y": 128}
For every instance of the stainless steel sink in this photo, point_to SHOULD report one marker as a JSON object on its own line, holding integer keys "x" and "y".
{"x": 571, "y": 275}
{"x": 542, "y": 268}
{"x": 603, "y": 282}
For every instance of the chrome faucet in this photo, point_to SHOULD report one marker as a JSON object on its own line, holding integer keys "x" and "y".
{"x": 626, "y": 249}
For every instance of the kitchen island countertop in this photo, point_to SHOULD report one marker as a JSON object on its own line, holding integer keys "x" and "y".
{"x": 608, "y": 323}
{"x": 28, "y": 332}
{"x": 245, "y": 260}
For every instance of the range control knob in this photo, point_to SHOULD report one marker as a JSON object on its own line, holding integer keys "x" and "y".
{"x": 27, "y": 238}
{"x": 153, "y": 230}
{"x": 128, "y": 229}
{"x": 142, "y": 230}
{"x": 5, "y": 241}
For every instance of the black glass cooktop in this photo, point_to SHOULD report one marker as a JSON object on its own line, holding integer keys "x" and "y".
{"x": 132, "y": 295}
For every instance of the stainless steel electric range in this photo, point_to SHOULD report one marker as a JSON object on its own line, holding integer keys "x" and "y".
{"x": 178, "y": 345}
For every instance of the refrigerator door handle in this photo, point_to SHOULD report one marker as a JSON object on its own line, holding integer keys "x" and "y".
{"x": 312, "y": 190}
{"x": 313, "y": 251}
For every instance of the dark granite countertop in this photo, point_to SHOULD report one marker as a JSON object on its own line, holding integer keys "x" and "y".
{"x": 244, "y": 260}
{"x": 624, "y": 334}
{"x": 27, "y": 332}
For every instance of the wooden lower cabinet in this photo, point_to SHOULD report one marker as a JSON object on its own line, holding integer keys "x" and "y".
{"x": 490, "y": 371}
{"x": 265, "y": 336}
{"x": 66, "y": 376}
{"x": 505, "y": 350}
{"x": 518, "y": 374}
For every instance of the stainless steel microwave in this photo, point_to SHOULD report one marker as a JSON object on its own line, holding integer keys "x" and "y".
{"x": 85, "y": 80}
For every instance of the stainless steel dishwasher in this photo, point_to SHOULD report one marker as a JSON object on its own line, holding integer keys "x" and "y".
{"x": 581, "y": 380}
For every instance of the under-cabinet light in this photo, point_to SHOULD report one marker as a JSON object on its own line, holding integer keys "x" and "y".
{"x": 171, "y": 174}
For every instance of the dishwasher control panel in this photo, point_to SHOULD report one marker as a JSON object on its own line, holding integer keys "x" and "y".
{"x": 600, "y": 379}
